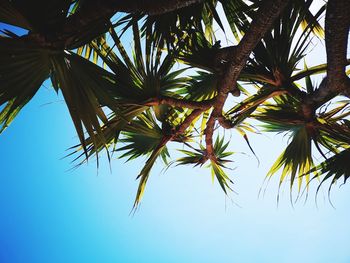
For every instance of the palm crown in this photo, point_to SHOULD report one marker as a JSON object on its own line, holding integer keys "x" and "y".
{"x": 172, "y": 84}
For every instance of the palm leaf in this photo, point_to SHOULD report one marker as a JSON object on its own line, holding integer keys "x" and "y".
{"x": 198, "y": 157}
{"x": 296, "y": 160}
{"x": 336, "y": 167}
{"x": 22, "y": 71}
{"x": 10, "y": 15}
{"x": 277, "y": 55}
{"x": 237, "y": 13}
{"x": 308, "y": 71}
{"x": 172, "y": 28}
{"x": 141, "y": 137}
{"x": 111, "y": 132}
{"x": 145, "y": 172}
{"x": 85, "y": 88}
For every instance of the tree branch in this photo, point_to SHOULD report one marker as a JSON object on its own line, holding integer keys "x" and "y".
{"x": 237, "y": 59}
{"x": 187, "y": 122}
{"x": 209, "y": 131}
{"x": 337, "y": 24}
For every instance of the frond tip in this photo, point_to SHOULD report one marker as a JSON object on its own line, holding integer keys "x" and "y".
{"x": 145, "y": 172}
{"x": 336, "y": 167}
{"x": 198, "y": 157}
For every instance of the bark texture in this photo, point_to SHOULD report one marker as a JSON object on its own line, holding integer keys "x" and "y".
{"x": 266, "y": 15}
{"x": 337, "y": 25}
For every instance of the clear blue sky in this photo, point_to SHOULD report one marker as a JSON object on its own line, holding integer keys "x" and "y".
{"x": 49, "y": 214}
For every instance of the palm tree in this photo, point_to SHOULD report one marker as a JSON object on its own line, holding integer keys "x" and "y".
{"x": 172, "y": 85}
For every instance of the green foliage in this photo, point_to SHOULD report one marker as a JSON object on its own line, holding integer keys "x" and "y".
{"x": 141, "y": 136}
{"x": 27, "y": 61}
{"x": 23, "y": 70}
{"x": 198, "y": 157}
{"x": 132, "y": 99}
{"x": 335, "y": 168}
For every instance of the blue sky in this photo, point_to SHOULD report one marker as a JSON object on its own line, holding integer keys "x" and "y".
{"x": 49, "y": 213}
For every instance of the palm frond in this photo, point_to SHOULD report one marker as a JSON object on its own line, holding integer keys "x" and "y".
{"x": 199, "y": 52}
{"x": 312, "y": 21}
{"x": 308, "y": 71}
{"x": 10, "y": 15}
{"x": 173, "y": 27}
{"x": 277, "y": 55}
{"x": 200, "y": 87}
{"x": 111, "y": 132}
{"x": 145, "y": 172}
{"x": 22, "y": 71}
{"x": 197, "y": 156}
{"x": 85, "y": 88}
{"x": 238, "y": 13}
{"x": 335, "y": 168}
{"x": 141, "y": 137}
{"x": 296, "y": 161}
{"x": 135, "y": 81}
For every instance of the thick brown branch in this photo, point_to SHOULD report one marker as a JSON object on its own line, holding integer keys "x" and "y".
{"x": 187, "y": 122}
{"x": 181, "y": 128}
{"x": 209, "y": 131}
{"x": 225, "y": 123}
{"x": 266, "y": 15}
{"x": 337, "y": 26}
